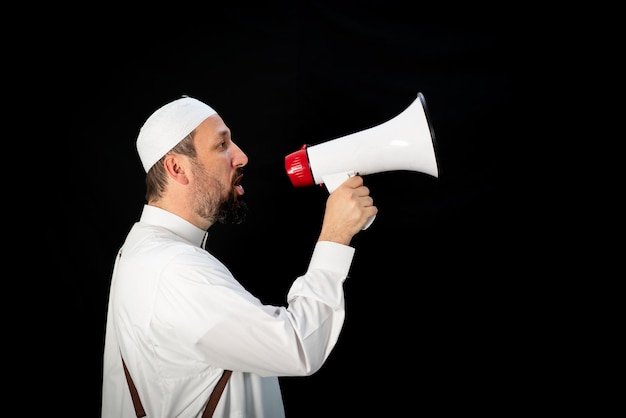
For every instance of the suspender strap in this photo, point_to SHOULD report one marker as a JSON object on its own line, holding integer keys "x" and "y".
{"x": 208, "y": 411}
{"x": 215, "y": 395}
{"x": 133, "y": 393}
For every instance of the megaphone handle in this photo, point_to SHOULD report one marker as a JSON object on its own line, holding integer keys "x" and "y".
{"x": 368, "y": 223}
{"x": 333, "y": 181}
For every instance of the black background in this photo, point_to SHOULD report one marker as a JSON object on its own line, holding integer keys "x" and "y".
{"x": 434, "y": 299}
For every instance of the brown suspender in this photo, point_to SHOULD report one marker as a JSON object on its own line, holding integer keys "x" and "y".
{"x": 215, "y": 395}
{"x": 133, "y": 393}
{"x": 210, "y": 407}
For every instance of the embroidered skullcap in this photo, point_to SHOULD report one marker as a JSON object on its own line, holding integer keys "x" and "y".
{"x": 169, "y": 125}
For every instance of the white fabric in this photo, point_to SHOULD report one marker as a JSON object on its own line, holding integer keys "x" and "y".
{"x": 169, "y": 125}
{"x": 179, "y": 318}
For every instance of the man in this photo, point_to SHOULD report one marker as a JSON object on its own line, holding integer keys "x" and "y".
{"x": 178, "y": 321}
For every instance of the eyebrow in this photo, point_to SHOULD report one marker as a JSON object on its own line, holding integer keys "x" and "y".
{"x": 224, "y": 133}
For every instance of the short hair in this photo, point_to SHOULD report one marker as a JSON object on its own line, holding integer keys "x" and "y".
{"x": 156, "y": 177}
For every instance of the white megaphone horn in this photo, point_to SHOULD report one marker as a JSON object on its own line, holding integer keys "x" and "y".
{"x": 405, "y": 142}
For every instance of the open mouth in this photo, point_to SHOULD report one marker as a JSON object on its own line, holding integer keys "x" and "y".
{"x": 237, "y": 185}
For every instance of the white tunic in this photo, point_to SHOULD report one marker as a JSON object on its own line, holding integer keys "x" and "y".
{"x": 179, "y": 318}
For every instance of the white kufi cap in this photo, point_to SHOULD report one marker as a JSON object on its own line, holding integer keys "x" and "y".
{"x": 169, "y": 125}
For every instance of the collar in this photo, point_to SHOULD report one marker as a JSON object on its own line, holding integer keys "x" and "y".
{"x": 153, "y": 215}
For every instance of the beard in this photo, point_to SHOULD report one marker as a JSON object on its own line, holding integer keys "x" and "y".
{"x": 232, "y": 210}
{"x": 211, "y": 203}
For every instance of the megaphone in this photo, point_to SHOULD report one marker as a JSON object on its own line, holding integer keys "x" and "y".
{"x": 405, "y": 142}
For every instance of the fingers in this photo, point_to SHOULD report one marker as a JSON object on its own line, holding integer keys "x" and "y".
{"x": 360, "y": 189}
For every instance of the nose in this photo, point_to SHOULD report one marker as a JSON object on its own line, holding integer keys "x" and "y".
{"x": 240, "y": 158}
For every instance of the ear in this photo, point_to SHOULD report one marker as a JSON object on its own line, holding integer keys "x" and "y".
{"x": 175, "y": 167}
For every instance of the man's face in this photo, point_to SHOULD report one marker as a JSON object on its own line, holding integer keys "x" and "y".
{"x": 217, "y": 173}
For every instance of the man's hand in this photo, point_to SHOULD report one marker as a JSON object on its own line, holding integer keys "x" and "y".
{"x": 348, "y": 209}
